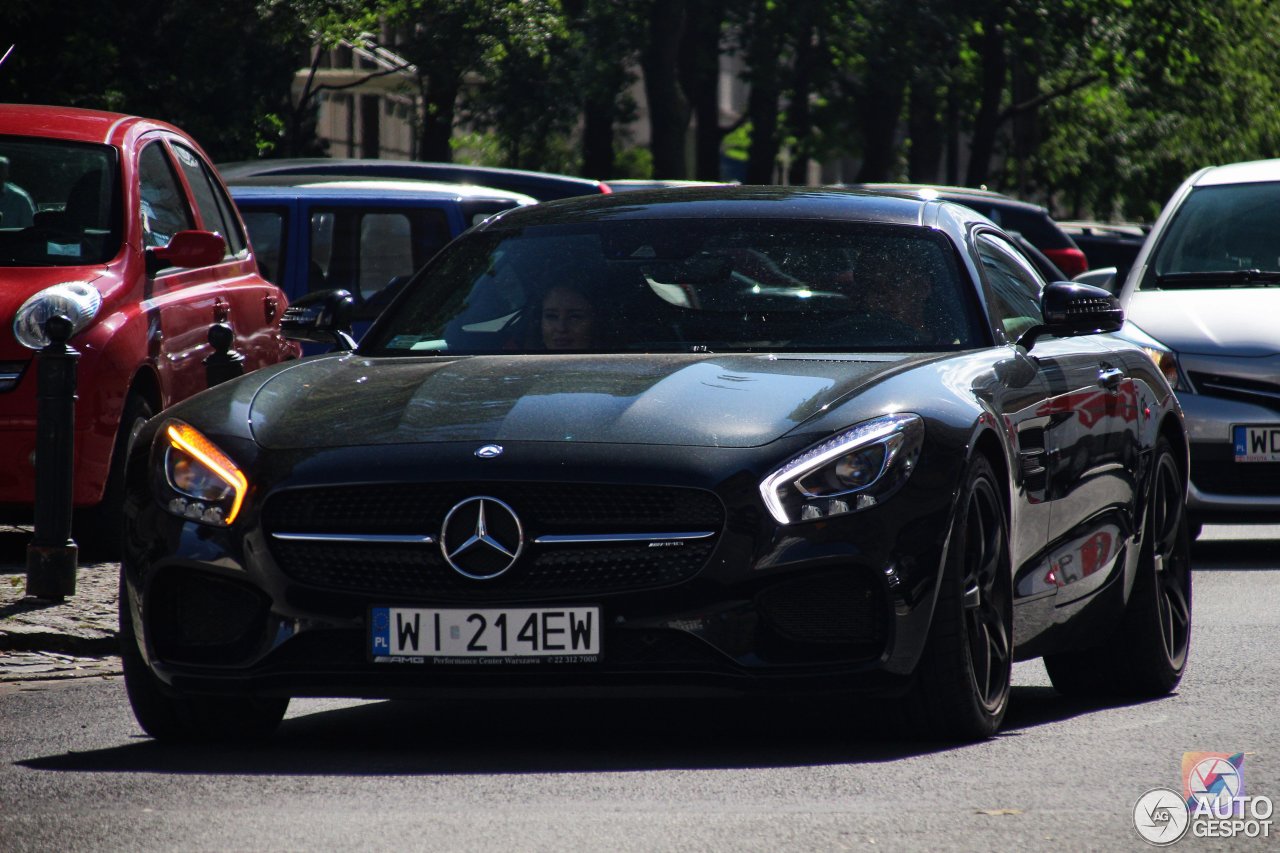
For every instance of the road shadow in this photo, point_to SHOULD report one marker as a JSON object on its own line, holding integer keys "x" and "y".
{"x": 1235, "y": 554}
{"x": 13, "y": 549}
{"x": 536, "y": 737}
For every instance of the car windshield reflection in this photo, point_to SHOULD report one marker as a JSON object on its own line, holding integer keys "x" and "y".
{"x": 683, "y": 286}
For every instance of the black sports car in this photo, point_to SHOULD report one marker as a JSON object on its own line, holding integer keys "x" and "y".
{"x": 699, "y": 441}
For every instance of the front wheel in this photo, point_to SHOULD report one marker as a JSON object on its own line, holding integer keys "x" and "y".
{"x": 961, "y": 688}
{"x": 1147, "y": 654}
{"x": 168, "y": 715}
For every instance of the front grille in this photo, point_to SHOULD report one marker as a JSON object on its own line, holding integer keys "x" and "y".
{"x": 842, "y": 607}
{"x": 1214, "y": 471}
{"x": 545, "y": 569}
{"x": 1234, "y": 388}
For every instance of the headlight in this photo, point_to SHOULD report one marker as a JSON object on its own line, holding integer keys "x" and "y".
{"x": 209, "y": 487}
{"x": 1165, "y": 359}
{"x": 851, "y": 471}
{"x": 74, "y": 299}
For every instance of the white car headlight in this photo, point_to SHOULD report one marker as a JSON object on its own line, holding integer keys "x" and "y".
{"x": 1165, "y": 359}
{"x": 851, "y": 471}
{"x": 74, "y": 299}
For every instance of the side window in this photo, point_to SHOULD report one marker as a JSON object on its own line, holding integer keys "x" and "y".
{"x": 164, "y": 204}
{"x": 386, "y": 251}
{"x": 266, "y": 233}
{"x": 1013, "y": 288}
{"x": 214, "y": 209}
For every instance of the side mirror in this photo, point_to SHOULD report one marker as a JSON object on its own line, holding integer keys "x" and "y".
{"x": 188, "y": 249}
{"x": 1104, "y": 277}
{"x": 1071, "y": 309}
{"x": 321, "y": 317}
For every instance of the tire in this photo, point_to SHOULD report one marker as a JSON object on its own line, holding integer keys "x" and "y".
{"x": 169, "y": 715}
{"x": 961, "y": 687}
{"x": 99, "y": 530}
{"x": 1147, "y": 654}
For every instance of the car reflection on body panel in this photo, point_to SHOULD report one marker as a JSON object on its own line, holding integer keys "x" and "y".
{"x": 804, "y": 441}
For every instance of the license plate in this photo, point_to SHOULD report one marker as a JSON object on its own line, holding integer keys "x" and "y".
{"x": 554, "y": 634}
{"x": 1256, "y": 443}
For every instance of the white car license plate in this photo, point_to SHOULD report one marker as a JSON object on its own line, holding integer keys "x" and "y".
{"x": 406, "y": 633}
{"x": 1257, "y": 443}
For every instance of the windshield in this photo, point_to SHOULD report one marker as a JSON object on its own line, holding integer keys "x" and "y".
{"x": 59, "y": 203}
{"x": 1221, "y": 236}
{"x": 685, "y": 285}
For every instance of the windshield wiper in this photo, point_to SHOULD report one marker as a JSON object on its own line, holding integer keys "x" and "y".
{"x": 1230, "y": 278}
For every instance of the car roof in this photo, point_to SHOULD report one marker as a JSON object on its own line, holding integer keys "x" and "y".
{"x": 540, "y": 185}
{"x": 368, "y": 189}
{"x": 949, "y": 192}
{"x": 1249, "y": 172}
{"x": 741, "y": 202}
{"x": 70, "y": 123}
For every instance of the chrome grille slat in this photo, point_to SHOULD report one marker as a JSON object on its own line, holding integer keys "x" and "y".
{"x": 580, "y": 538}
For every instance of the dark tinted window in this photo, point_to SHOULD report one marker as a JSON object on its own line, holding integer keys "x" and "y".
{"x": 267, "y": 235}
{"x": 372, "y": 251}
{"x": 59, "y": 202}
{"x": 1221, "y": 229}
{"x": 688, "y": 286}
{"x": 1013, "y": 288}
{"x": 214, "y": 212}
{"x": 164, "y": 203}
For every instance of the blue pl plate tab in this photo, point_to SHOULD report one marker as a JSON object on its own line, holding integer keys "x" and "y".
{"x": 380, "y": 623}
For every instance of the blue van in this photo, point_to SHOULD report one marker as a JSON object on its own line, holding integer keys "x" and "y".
{"x": 364, "y": 236}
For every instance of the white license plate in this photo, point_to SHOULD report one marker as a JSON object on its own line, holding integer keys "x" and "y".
{"x": 407, "y": 633}
{"x": 1257, "y": 443}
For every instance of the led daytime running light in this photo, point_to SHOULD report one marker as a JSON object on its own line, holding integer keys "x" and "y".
{"x": 189, "y": 440}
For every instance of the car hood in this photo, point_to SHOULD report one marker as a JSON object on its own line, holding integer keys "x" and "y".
{"x": 697, "y": 400}
{"x": 1225, "y": 321}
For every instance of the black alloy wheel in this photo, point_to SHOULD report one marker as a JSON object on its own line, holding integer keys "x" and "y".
{"x": 961, "y": 687}
{"x": 1146, "y": 655}
{"x": 1171, "y": 561}
{"x": 987, "y": 603}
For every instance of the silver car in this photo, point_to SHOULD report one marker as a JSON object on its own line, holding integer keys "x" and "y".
{"x": 1204, "y": 296}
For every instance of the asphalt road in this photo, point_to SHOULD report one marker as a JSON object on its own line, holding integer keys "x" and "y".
{"x": 76, "y": 774}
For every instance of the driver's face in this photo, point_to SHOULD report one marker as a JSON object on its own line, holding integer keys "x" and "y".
{"x": 568, "y": 320}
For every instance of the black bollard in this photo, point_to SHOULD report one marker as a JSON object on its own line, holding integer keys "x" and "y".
{"x": 223, "y": 363}
{"x": 52, "y": 554}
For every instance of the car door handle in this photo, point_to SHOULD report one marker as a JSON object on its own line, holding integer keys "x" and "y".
{"x": 270, "y": 305}
{"x": 1110, "y": 377}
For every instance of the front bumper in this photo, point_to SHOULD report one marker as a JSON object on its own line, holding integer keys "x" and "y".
{"x": 765, "y": 610}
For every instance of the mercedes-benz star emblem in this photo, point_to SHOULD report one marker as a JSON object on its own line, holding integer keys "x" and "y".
{"x": 490, "y": 451}
{"x": 481, "y": 538}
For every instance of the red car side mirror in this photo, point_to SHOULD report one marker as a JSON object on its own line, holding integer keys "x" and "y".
{"x": 190, "y": 249}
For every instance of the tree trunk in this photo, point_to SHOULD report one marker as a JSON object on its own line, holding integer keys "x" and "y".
{"x": 879, "y": 109}
{"x": 924, "y": 159}
{"x": 597, "y": 139}
{"x": 799, "y": 114}
{"x": 987, "y": 122}
{"x": 700, "y": 78}
{"x": 668, "y": 109}
{"x": 440, "y": 95}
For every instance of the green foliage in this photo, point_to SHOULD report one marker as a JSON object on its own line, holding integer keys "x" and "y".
{"x": 1098, "y": 107}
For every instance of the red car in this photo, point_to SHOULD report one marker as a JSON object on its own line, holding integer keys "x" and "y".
{"x": 120, "y": 223}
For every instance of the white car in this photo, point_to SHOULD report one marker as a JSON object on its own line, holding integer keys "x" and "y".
{"x": 1204, "y": 296}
